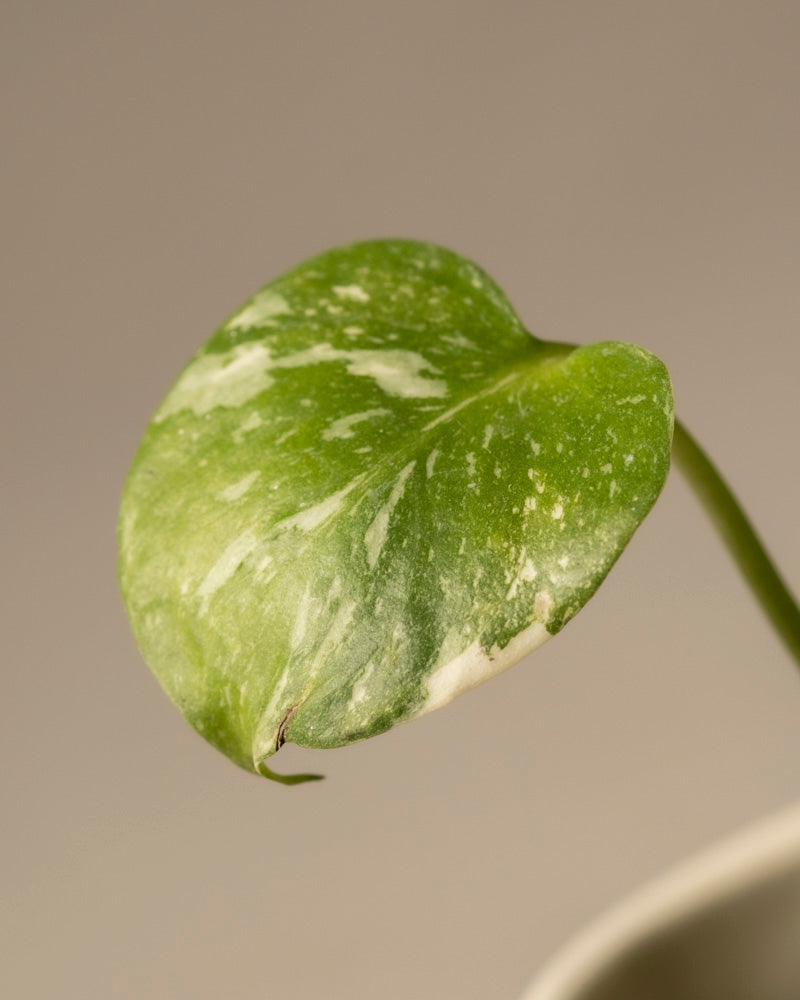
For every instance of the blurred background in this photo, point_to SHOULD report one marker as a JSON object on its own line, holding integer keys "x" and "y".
{"x": 624, "y": 170}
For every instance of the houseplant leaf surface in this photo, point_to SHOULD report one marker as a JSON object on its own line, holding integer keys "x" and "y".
{"x": 370, "y": 490}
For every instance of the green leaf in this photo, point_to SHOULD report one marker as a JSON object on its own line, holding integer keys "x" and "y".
{"x": 371, "y": 490}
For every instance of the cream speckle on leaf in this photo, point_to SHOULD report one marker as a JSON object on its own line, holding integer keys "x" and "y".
{"x": 352, "y": 292}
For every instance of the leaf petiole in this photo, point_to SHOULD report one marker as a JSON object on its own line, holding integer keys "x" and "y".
{"x": 739, "y": 537}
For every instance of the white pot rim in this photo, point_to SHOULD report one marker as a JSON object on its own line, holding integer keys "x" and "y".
{"x": 755, "y": 854}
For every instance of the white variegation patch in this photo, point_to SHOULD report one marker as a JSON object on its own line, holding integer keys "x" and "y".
{"x": 455, "y": 674}
{"x": 375, "y": 537}
{"x": 398, "y": 373}
{"x": 223, "y": 569}
{"x": 526, "y": 573}
{"x": 234, "y": 377}
{"x": 543, "y": 605}
{"x": 237, "y": 490}
{"x": 266, "y": 305}
{"x": 334, "y": 636}
{"x": 457, "y": 339}
{"x": 313, "y": 517}
{"x": 300, "y": 626}
{"x": 228, "y": 379}
{"x": 253, "y": 421}
{"x": 361, "y": 687}
{"x": 342, "y": 428}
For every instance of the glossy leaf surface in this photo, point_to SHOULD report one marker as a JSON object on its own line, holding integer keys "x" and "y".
{"x": 370, "y": 490}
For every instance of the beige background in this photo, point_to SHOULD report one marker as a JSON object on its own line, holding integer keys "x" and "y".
{"x": 625, "y": 170}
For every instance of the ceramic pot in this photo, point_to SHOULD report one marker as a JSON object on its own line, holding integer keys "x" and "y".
{"x": 724, "y": 926}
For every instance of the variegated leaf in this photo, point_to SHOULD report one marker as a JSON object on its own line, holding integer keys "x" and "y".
{"x": 371, "y": 490}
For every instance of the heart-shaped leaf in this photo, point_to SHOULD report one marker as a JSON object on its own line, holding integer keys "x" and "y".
{"x": 371, "y": 490}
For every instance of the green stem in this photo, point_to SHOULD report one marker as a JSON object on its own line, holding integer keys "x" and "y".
{"x": 740, "y": 538}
